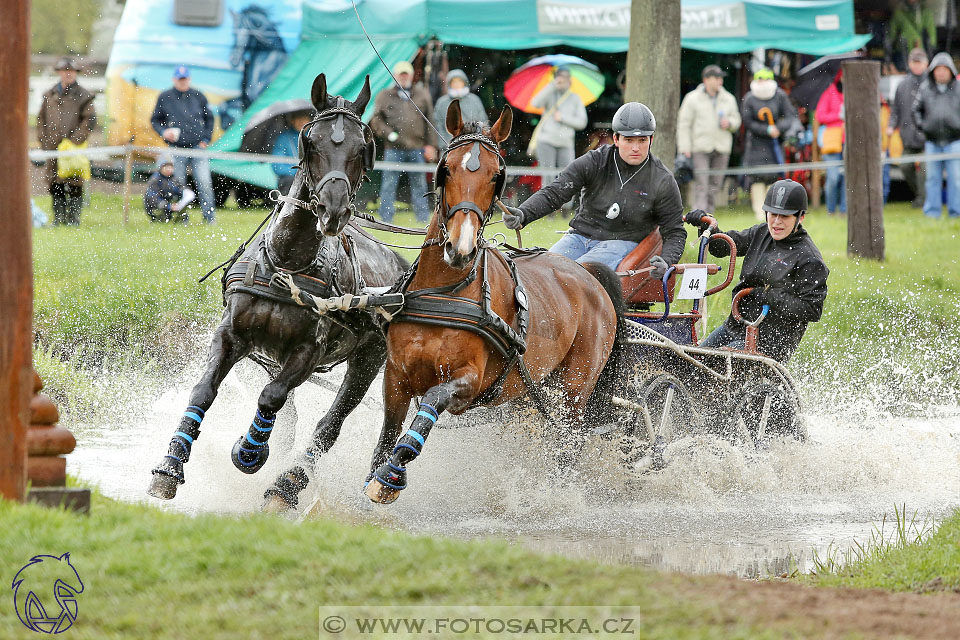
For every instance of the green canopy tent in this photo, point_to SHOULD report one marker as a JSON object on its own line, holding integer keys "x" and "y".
{"x": 332, "y": 40}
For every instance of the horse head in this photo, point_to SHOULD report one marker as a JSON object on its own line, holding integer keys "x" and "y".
{"x": 336, "y": 151}
{"x": 470, "y": 176}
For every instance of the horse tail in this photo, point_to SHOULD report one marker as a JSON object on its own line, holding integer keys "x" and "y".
{"x": 614, "y": 369}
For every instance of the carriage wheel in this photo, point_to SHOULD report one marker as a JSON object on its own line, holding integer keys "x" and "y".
{"x": 767, "y": 410}
{"x": 661, "y": 410}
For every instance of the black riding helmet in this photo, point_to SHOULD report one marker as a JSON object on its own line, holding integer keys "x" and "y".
{"x": 786, "y": 198}
{"x": 634, "y": 119}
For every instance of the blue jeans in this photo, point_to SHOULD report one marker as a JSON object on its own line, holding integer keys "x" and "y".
{"x": 835, "y": 187}
{"x": 583, "y": 249}
{"x": 933, "y": 205}
{"x": 200, "y": 167}
{"x": 723, "y": 337}
{"x": 418, "y": 185}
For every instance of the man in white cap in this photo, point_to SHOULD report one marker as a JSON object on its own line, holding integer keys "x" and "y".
{"x": 184, "y": 120}
{"x": 407, "y": 137}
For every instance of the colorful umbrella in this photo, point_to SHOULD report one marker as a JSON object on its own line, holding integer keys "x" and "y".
{"x": 527, "y": 81}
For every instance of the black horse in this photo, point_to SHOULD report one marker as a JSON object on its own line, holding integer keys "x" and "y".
{"x": 304, "y": 248}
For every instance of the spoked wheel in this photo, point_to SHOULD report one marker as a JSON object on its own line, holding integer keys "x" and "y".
{"x": 767, "y": 410}
{"x": 659, "y": 411}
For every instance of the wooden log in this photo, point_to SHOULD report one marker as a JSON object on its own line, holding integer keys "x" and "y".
{"x": 42, "y": 410}
{"x": 863, "y": 159}
{"x": 47, "y": 471}
{"x": 16, "y": 285}
{"x": 49, "y": 441}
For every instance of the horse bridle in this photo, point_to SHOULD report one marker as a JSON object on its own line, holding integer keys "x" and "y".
{"x": 339, "y": 112}
{"x": 476, "y": 141}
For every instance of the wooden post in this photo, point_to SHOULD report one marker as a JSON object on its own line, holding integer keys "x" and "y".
{"x": 653, "y": 69}
{"x": 16, "y": 284}
{"x": 862, "y": 159}
{"x": 127, "y": 180}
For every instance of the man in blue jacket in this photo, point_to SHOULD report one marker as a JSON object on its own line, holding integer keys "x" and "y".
{"x": 184, "y": 120}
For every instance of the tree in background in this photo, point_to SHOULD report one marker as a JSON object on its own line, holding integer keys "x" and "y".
{"x": 653, "y": 68}
{"x": 62, "y": 27}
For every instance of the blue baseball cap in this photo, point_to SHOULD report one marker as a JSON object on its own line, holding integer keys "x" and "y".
{"x": 181, "y": 72}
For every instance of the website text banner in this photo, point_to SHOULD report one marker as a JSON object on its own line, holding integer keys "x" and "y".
{"x": 466, "y": 621}
{"x": 612, "y": 20}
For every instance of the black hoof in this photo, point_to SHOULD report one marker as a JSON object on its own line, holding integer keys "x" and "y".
{"x": 166, "y": 476}
{"x": 163, "y": 487}
{"x": 247, "y": 459}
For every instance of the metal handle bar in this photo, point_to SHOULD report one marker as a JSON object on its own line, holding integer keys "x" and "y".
{"x": 735, "y": 310}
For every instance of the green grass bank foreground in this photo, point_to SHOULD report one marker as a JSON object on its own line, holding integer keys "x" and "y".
{"x": 148, "y": 573}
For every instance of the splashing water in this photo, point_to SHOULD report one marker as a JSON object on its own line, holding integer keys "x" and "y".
{"x": 715, "y": 508}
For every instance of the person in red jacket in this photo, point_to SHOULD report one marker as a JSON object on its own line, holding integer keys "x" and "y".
{"x": 830, "y": 115}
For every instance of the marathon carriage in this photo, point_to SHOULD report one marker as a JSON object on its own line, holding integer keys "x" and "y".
{"x": 675, "y": 388}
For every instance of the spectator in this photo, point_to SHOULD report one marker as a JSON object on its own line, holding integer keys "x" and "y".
{"x": 705, "y": 124}
{"x": 286, "y": 145}
{"x": 164, "y": 195}
{"x": 66, "y": 113}
{"x": 407, "y": 138}
{"x": 901, "y": 118}
{"x": 830, "y": 115}
{"x": 937, "y": 113}
{"x": 767, "y": 115}
{"x": 471, "y": 107}
{"x": 563, "y": 115}
{"x": 184, "y": 120}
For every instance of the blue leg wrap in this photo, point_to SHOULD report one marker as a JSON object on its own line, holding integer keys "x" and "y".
{"x": 251, "y": 451}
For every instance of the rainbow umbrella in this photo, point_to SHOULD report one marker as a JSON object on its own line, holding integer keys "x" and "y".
{"x": 527, "y": 81}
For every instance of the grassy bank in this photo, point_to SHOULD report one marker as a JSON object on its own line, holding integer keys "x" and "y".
{"x": 108, "y": 293}
{"x": 153, "y": 574}
{"x": 901, "y": 556}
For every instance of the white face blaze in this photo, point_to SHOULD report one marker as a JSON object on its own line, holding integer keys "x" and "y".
{"x": 467, "y": 237}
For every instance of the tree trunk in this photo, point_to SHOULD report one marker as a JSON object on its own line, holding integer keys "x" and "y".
{"x": 653, "y": 68}
{"x": 16, "y": 283}
{"x": 862, "y": 159}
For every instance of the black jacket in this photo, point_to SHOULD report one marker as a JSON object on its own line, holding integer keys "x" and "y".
{"x": 162, "y": 192}
{"x": 796, "y": 275}
{"x": 901, "y": 112}
{"x": 188, "y": 111}
{"x": 938, "y": 113}
{"x": 608, "y": 210}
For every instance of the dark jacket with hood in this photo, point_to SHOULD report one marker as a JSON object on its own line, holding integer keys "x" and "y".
{"x": 938, "y": 112}
{"x": 789, "y": 275}
{"x": 759, "y": 108}
{"x": 186, "y": 110}
{"x": 901, "y": 111}
{"x": 162, "y": 193}
{"x": 648, "y": 197}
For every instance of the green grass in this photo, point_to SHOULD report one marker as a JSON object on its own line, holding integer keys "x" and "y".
{"x": 153, "y": 574}
{"x": 901, "y": 555}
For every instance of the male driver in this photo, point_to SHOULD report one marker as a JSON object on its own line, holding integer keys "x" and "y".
{"x": 184, "y": 120}
{"x": 706, "y": 121}
{"x": 626, "y": 193}
{"x": 785, "y": 269}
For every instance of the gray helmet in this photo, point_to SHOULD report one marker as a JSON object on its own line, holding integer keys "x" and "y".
{"x": 634, "y": 119}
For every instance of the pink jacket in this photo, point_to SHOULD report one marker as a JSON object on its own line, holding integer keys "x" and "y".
{"x": 830, "y": 115}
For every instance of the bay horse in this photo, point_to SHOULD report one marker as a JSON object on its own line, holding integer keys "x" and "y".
{"x": 480, "y": 329}
{"x": 305, "y": 247}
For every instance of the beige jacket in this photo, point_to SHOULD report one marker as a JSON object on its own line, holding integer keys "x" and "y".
{"x": 698, "y": 122}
